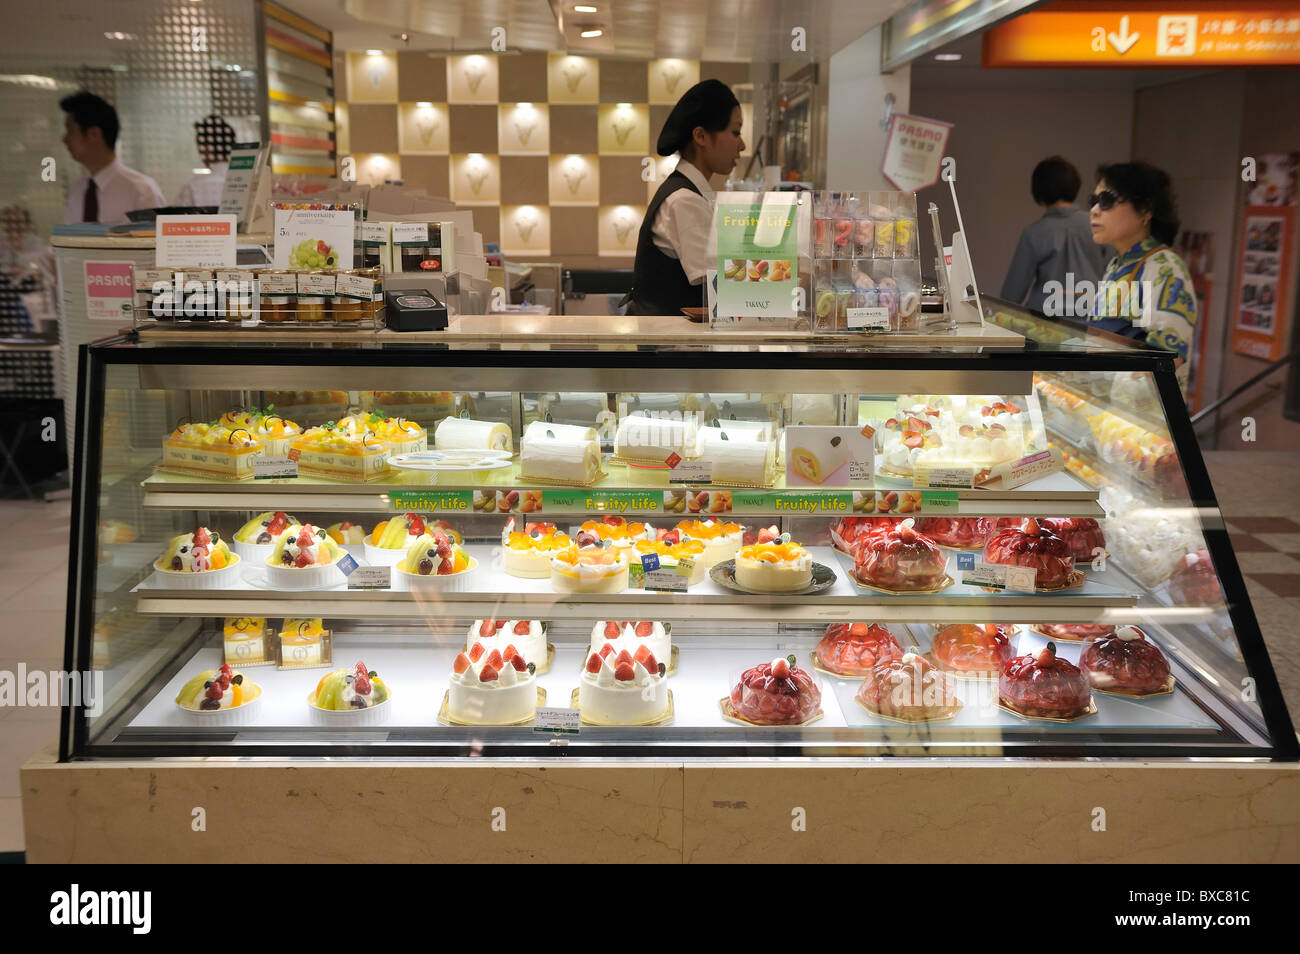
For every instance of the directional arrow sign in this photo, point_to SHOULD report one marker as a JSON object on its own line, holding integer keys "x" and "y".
{"x": 1123, "y": 40}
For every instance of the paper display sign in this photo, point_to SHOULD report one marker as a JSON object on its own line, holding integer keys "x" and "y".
{"x": 914, "y": 151}
{"x": 195, "y": 241}
{"x": 110, "y": 291}
{"x": 269, "y": 467}
{"x": 241, "y": 179}
{"x": 1262, "y": 310}
{"x": 758, "y": 254}
{"x": 997, "y": 576}
{"x": 370, "y": 578}
{"x": 833, "y": 456}
{"x": 314, "y": 238}
{"x": 558, "y": 721}
{"x": 690, "y": 472}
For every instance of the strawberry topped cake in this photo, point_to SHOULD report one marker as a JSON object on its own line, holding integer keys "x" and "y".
{"x": 903, "y": 438}
{"x": 911, "y": 689}
{"x": 346, "y": 689}
{"x": 1081, "y": 534}
{"x": 849, "y": 532}
{"x": 1034, "y": 546}
{"x": 256, "y": 538}
{"x": 972, "y": 648}
{"x": 854, "y": 649}
{"x": 435, "y": 554}
{"x": 527, "y": 636}
{"x": 623, "y": 688}
{"x": 198, "y": 560}
{"x": 960, "y": 533}
{"x": 492, "y": 687}
{"x": 722, "y": 540}
{"x": 776, "y": 693}
{"x": 901, "y": 559}
{"x": 216, "y": 689}
{"x": 1044, "y": 686}
{"x": 632, "y": 635}
{"x": 1194, "y": 582}
{"x": 1126, "y": 662}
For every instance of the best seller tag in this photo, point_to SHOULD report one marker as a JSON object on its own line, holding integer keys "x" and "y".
{"x": 649, "y": 562}
{"x": 347, "y": 564}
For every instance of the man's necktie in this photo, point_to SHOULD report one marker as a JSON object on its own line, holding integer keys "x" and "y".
{"x": 90, "y": 204}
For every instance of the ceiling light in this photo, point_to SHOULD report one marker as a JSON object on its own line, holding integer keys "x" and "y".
{"x": 118, "y": 35}
{"x": 424, "y": 104}
{"x": 624, "y": 105}
{"x": 589, "y": 34}
{"x": 476, "y": 156}
{"x": 584, "y": 8}
{"x": 947, "y": 57}
{"x": 312, "y": 102}
{"x": 374, "y": 52}
{"x": 523, "y": 105}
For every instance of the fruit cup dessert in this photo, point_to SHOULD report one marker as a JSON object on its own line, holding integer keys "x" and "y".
{"x": 435, "y": 559}
{"x": 901, "y": 560}
{"x": 391, "y": 538}
{"x": 776, "y": 693}
{"x": 779, "y": 567}
{"x": 198, "y": 560}
{"x": 854, "y": 649}
{"x": 218, "y": 695}
{"x": 973, "y": 649}
{"x": 304, "y": 556}
{"x": 1127, "y": 663}
{"x": 1045, "y": 686}
{"x": 350, "y": 691}
{"x": 256, "y": 539}
{"x": 346, "y": 533}
{"x": 911, "y": 689}
{"x": 1033, "y": 545}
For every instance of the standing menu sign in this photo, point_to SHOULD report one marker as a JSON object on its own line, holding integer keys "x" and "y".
{"x": 313, "y": 235}
{"x": 758, "y": 254}
{"x": 194, "y": 241}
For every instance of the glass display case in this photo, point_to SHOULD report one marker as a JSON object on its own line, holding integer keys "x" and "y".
{"x": 658, "y": 553}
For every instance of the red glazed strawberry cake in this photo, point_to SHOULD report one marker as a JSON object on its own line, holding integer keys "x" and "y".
{"x": 1126, "y": 662}
{"x": 1074, "y": 632}
{"x": 910, "y": 688}
{"x": 1081, "y": 534}
{"x": 1034, "y": 546}
{"x": 776, "y": 693}
{"x": 1045, "y": 686}
{"x": 900, "y": 559}
{"x": 977, "y": 649}
{"x": 854, "y": 649}
{"x": 962, "y": 533}
{"x": 1193, "y": 582}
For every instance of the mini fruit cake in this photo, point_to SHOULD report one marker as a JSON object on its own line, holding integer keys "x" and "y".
{"x": 525, "y": 636}
{"x": 264, "y": 528}
{"x": 672, "y": 554}
{"x": 434, "y": 554}
{"x": 722, "y": 540}
{"x": 403, "y": 436}
{"x": 489, "y": 687}
{"x": 632, "y": 635}
{"x": 1044, "y": 686}
{"x": 211, "y": 450}
{"x": 1081, "y": 534}
{"x": 215, "y": 689}
{"x": 623, "y": 688}
{"x": 244, "y": 639}
{"x": 962, "y": 533}
{"x": 345, "y": 689}
{"x": 528, "y": 554}
{"x": 854, "y": 649}
{"x": 200, "y": 552}
{"x": 303, "y": 546}
{"x": 776, "y": 693}
{"x": 591, "y": 569}
{"x": 302, "y": 641}
{"x": 781, "y": 567}
{"x": 1034, "y": 546}
{"x": 391, "y": 538}
{"x": 902, "y": 440}
{"x": 910, "y": 688}
{"x": 332, "y": 451}
{"x": 975, "y": 648}
{"x": 346, "y": 533}
{"x": 275, "y": 433}
{"x": 1074, "y": 632}
{"x": 1194, "y": 582}
{"x": 852, "y": 531}
{"x": 1126, "y": 662}
{"x": 618, "y": 531}
{"x": 900, "y": 559}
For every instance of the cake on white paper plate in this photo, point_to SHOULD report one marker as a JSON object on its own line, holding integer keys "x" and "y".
{"x": 617, "y": 688}
{"x": 631, "y": 635}
{"x": 489, "y": 688}
{"x": 525, "y": 635}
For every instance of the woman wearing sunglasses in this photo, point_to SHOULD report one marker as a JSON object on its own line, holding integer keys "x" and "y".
{"x": 1146, "y": 291}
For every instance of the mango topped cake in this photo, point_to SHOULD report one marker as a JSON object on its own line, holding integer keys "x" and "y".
{"x": 528, "y": 554}
{"x": 275, "y": 432}
{"x": 589, "y": 570}
{"x": 401, "y": 435}
{"x": 332, "y": 451}
{"x": 721, "y": 539}
{"x": 780, "y": 567}
{"x": 211, "y": 450}
{"x": 672, "y": 555}
{"x": 617, "y": 530}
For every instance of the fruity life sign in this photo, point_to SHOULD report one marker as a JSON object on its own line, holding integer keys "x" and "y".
{"x": 758, "y": 254}
{"x": 914, "y": 151}
{"x": 194, "y": 241}
{"x": 319, "y": 237}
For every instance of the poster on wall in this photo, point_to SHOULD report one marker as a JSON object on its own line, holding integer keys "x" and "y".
{"x": 758, "y": 254}
{"x": 914, "y": 151}
{"x": 1260, "y": 309}
{"x": 1275, "y": 179}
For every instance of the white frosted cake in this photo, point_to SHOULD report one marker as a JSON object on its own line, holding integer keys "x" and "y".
{"x": 632, "y": 635}
{"x": 488, "y": 689}
{"x": 589, "y": 570}
{"x": 618, "y": 689}
{"x": 738, "y": 457}
{"x": 641, "y": 437}
{"x": 463, "y": 433}
{"x": 525, "y": 635}
{"x": 559, "y": 452}
{"x": 774, "y": 567}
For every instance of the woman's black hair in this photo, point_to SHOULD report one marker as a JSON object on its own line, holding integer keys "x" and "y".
{"x": 708, "y": 104}
{"x": 1147, "y": 189}
{"x": 1054, "y": 180}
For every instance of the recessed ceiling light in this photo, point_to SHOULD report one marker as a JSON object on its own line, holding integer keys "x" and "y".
{"x": 374, "y": 52}
{"x": 584, "y": 8}
{"x": 424, "y": 104}
{"x": 523, "y": 105}
{"x": 947, "y": 56}
{"x": 588, "y": 34}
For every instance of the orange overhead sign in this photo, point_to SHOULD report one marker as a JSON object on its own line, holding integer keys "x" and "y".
{"x": 1172, "y": 34}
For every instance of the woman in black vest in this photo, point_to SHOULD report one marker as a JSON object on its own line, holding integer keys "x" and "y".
{"x": 672, "y": 248}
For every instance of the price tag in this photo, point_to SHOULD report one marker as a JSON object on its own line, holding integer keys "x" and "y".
{"x": 691, "y": 472}
{"x": 649, "y": 562}
{"x": 666, "y": 580}
{"x": 685, "y": 567}
{"x": 1020, "y": 472}
{"x": 371, "y": 578}
{"x": 862, "y": 471}
{"x": 944, "y": 477}
{"x": 996, "y": 576}
{"x": 561, "y": 721}
{"x": 874, "y": 318}
{"x": 265, "y": 468}
{"x": 868, "y": 431}
{"x": 347, "y": 564}
{"x": 672, "y": 460}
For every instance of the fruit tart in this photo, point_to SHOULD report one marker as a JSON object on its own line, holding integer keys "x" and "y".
{"x": 1036, "y": 547}
{"x": 975, "y": 649}
{"x": 1045, "y": 686}
{"x": 1127, "y": 663}
{"x": 911, "y": 689}
{"x": 901, "y": 560}
{"x": 349, "y": 691}
{"x": 776, "y": 693}
{"x": 211, "y": 450}
{"x": 403, "y": 436}
{"x": 854, "y": 649}
{"x": 198, "y": 560}
{"x": 1194, "y": 582}
{"x": 346, "y": 533}
{"x": 434, "y": 558}
{"x": 303, "y": 556}
{"x": 961, "y": 533}
{"x": 256, "y": 538}
{"x": 215, "y": 693}
{"x": 1081, "y": 534}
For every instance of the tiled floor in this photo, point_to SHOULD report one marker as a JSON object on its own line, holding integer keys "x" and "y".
{"x": 1257, "y": 491}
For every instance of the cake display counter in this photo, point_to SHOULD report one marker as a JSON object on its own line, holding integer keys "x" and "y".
{"x": 385, "y": 572}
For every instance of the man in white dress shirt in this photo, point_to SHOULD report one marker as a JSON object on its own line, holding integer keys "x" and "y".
{"x": 214, "y": 138}
{"x": 109, "y": 189}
